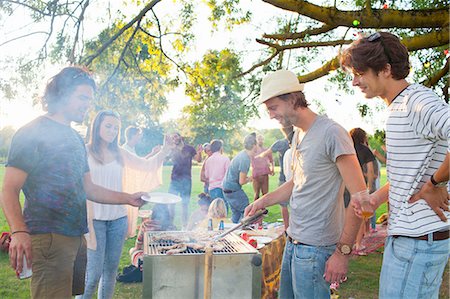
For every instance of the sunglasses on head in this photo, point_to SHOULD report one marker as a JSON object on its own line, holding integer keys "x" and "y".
{"x": 374, "y": 37}
{"x": 82, "y": 74}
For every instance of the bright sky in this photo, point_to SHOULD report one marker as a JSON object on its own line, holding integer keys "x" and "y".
{"x": 338, "y": 106}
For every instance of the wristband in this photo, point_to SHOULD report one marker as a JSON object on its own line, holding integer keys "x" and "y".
{"x": 20, "y": 231}
{"x": 436, "y": 184}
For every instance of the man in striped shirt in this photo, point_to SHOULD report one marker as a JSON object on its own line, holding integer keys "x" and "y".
{"x": 418, "y": 141}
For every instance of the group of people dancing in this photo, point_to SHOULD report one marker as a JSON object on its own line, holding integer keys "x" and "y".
{"x": 72, "y": 188}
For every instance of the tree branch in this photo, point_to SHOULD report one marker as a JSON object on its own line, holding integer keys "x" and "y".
{"x": 380, "y": 18}
{"x": 264, "y": 62}
{"x": 413, "y": 44}
{"x": 331, "y": 43}
{"x": 438, "y": 75}
{"x": 310, "y": 31}
{"x": 88, "y": 60}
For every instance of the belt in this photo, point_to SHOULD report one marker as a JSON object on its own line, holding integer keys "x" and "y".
{"x": 437, "y": 236}
{"x": 227, "y": 191}
{"x": 295, "y": 242}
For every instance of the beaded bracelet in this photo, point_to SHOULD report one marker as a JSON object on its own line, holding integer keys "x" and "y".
{"x": 20, "y": 231}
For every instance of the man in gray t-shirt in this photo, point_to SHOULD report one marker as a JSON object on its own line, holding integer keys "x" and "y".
{"x": 320, "y": 235}
{"x": 236, "y": 176}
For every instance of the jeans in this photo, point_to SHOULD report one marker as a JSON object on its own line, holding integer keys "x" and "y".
{"x": 103, "y": 262}
{"x": 181, "y": 187}
{"x": 302, "y": 271}
{"x": 53, "y": 264}
{"x": 238, "y": 200}
{"x": 413, "y": 268}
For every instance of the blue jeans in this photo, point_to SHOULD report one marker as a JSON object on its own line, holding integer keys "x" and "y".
{"x": 302, "y": 271}
{"x": 413, "y": 268}
{"x": 181, "y": 187}
{"x": 103, "y": 262}
{"x": 238, "y": 200}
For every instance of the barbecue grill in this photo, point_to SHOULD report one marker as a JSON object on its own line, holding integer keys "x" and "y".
{"x": 236, "y": 268}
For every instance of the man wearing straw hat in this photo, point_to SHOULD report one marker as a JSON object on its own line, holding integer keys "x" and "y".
{"x": 320, "y": 235}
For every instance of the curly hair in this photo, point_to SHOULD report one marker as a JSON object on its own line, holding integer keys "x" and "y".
{"x": 63, "y": 84}
{"x": 375, "y": 52}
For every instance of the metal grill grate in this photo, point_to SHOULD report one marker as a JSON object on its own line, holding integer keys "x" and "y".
{"x": 230, "y": 244}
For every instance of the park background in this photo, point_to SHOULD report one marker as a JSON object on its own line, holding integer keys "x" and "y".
{"x": 363, "y": 275}
{"x": 195, "y": 66}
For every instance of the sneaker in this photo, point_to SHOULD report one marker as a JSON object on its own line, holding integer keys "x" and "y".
{"x": 128, "y": 269}
{"x": 134, "y": 275}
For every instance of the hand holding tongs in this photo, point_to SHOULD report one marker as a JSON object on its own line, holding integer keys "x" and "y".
{"x": 244, "y": 222}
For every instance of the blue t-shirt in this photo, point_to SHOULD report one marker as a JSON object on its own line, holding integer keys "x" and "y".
{"x": 54, "y": 157}
{"x": 240, "y": 163}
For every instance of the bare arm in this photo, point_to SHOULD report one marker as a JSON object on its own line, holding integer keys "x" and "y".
{"x": 20, "y": 242}
{"x": 198, "y": 155}
{"x": 379, "y": 156}
{"x": 243, "y": 178}
{"x": 102, "y": 195}
{"x": 281, "y": 194}
{"x": 337, "y": 265}
{"x": 436, "y": 197}
{"x": 203, "y": 177}
{"x": 370, "y": 175}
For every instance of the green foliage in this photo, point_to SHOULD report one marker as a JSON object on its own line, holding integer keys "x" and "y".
{"x": 135, "y": 75}
{"x": 6, "y": 135}
{"x": 217, "y": 107}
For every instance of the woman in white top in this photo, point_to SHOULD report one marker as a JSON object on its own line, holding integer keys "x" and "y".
{"x": 116, "y": 169}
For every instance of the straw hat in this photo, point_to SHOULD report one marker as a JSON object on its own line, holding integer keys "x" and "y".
{"x": 279, "y": 83}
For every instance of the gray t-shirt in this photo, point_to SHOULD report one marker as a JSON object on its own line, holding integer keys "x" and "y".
{"x": 240, "y": 163}
{"x": 54, "y": 157}
{"x": 317, "y": 206}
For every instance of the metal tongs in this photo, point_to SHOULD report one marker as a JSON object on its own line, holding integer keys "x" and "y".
{"x": 244, "y": 222}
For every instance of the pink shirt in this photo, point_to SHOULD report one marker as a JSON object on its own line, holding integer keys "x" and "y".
{"x": 216, "y": 167}
{"x": 261, "y": 166}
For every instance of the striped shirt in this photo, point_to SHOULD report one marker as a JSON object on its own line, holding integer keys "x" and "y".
{"x": 417, "y": 141}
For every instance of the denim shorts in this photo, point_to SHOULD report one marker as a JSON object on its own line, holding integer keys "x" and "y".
{"x": 302, "y": 271}
{"x": 413, "y": 268}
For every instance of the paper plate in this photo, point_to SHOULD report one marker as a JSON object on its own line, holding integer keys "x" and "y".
{"x": 160, "y": 197}
{"x": 262, "y": 240}
{"x": 260, "y": 245}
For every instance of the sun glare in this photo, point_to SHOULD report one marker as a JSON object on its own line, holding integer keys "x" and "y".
{"x": 17, "y": 114}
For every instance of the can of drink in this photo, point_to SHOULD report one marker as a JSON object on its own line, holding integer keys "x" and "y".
{"x": 26, "y": 270}
{"x": 210, "y": 224}
{"x": 221, "y": 225}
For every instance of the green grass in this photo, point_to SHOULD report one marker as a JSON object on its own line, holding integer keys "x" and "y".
{"x": 363, "y": 271}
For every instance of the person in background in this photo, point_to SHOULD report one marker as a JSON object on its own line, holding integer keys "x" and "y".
{"x": 366, "y": 160}
{"x": 200, "y": 214}
{"x": 282, "y": 146}
{"x": 108, "y": 223}
{"x": 47, "y": 160}
{"x": 159, "y": 221}
{"x": 261, "y": 168}
{"x": 216, "y": 167}
{"x": 237, "y": 176}
{"x": 207, "y": 150}
{"x": 133, "y": 135}
{"x": 287, "y": 166}
{"x": 320, "y": 234}
{"x": 217, "y": 212}
{"x": 181, "y": 177}
{"x": 417, "y": 248}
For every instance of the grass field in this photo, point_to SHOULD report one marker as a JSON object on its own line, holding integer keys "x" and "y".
{"x": 363, "y": 270}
